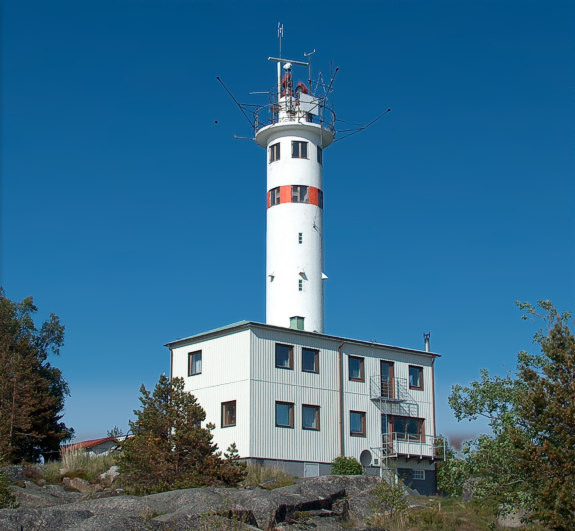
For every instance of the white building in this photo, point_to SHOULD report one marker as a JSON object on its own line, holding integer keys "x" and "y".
{"x": 286, "y": 393}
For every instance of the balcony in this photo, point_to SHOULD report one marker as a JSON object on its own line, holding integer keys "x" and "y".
{"x": 412, "y": 445}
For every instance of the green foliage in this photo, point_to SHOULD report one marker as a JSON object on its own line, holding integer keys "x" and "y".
{"x": 266, "y": 477}
{"x": 451, "y": 472}
{"x": 346, "y": 466}
{"x": 169, "y": 449}
{"x": 7, "y": 499}
{"x": 391, "y": 497}
{"x": 529, "y": 461}
{"x": 32, "y": 391}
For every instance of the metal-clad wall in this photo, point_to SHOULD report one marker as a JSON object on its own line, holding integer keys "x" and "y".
{"x": 224, "y": 377}
{"x": 271, "y": 384}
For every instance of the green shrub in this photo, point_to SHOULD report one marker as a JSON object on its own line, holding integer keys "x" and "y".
{"x": 346, "y": 466}
{"x": 390, "y": 496}
{"x": 7, "y": 499}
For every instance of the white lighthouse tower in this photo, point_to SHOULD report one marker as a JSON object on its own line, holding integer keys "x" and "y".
{"x": 294, "y": 140}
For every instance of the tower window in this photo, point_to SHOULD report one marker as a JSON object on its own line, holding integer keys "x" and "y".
{"x": 275, "y": 152}
{"x": 300, "y": 238}
{"x": 275, "y": 196}
{"x": 299, "y": 194}
{"x": 320, "y": 199}
{"x": 298, "y": 149}
{"x": 300, "y": 285}
{"x": 319, "y": 155}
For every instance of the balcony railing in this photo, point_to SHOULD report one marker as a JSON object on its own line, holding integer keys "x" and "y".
{"x": 393, "y": 389}
{"x": 412, "y": 445}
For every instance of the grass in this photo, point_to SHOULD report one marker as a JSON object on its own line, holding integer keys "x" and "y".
{"x": 75, "y": 464}
{"x": 446, "y": 514}
{"x": 266, "y": 477}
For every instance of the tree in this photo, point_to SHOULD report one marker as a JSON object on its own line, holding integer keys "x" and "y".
{"x": 545, "y": 436}
{"x": 529, "y": 460}
{"x": 169, "y": 449}
{"x": 32, "y": 391}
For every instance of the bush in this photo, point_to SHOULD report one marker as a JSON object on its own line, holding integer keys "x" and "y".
{"x": 346, "y": 466}
{"x": 7, "y": 499}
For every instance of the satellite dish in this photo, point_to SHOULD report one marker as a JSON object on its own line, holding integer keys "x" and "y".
{"x": 365, "y": 458}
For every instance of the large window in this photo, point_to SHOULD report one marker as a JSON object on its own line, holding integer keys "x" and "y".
{"x": 228, "y": 414}
{"x": 415, "y": 377}
{"x": 357, "y": 423}
{"x": 275, "y": 196}
{"x": 319, "y": 155}
{"x": 298, "y": 149}
{"x": 284, "y": 414}
{"x": 309, "y": 360}
{"x": 408, "y": 429}
{"x": 299, "y": 194}
{"x": 275, "y": 152}
{"x": 320, "y": 199}
{"x": 355, "y": 367}
{"x": 195, "y": 363}
{"x": 284, "y": 356}
{"x": 310, "y": 417}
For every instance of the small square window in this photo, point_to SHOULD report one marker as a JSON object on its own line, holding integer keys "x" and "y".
{"x": 415, "y": 377}
{"x": 300, "y": 238}
{"x": 275, "y": 152}
{"x": 319, "y": 155}
{"x": 284, "y": 356}
{"x": 228, "y": 414}
{"x": 355, "y": 367}
{"x": 357, "y": 423}
{"x": 195, "y": 363}
{"x": 300, "y": 285}
{"x": 284, "y": 414}
{"x": 418, "y": 475}
{"x": 309, "y": 360}
{"x": 310, "y": 417}
{"x": 298, "y": 149}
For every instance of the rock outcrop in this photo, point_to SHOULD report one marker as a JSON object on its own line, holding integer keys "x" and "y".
{"x": 327, "y": 502}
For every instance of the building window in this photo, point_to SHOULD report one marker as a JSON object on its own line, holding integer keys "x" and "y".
{"x": 298, "y": 149}
{"x": 300, "y": 238}
{"x": 300, "y": 285}
{"x": 408, "y": 429}
{"x": 284, "y": 356}
{"x": 275, "y": 152}
{"x": 357, "y": 423}
{"x": 299, "y": 194}
{"x": 194, "y": 363}
{"x": 296, "y": 322}
{"x": 418, "y": 475}
{"x": 355, "y": 367}
{"x": 275, "y": 196}
{"x": 319, "y": 155}
{"x": 228, "y": 414}
{"x": 309, "y": 360}
{"x": 320, "y": 199}
{"x": 415, "y": 377}
{"x": 310, "y": 417}
{"x": 284, "y": 414}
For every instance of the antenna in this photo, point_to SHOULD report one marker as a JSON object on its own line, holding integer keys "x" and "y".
{"x": 280, "y": 35}
{"x": 309, "y": 66}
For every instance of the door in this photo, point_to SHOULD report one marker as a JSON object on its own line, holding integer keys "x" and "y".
{"x": 386, "y": 434}
{"x": 387, "y": 379}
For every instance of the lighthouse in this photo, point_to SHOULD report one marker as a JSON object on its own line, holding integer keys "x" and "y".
{"x": 294, "y": 139}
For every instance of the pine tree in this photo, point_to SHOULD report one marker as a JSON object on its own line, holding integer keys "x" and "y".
{"x": 168, "y": 448}
{"x": 32, "y": 391}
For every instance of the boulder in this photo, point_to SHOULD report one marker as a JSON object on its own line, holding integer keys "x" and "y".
{"x": 469, "y": 487}
{"x": 78, "y": 484}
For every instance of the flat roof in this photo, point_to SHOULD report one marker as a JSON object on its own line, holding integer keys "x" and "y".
{"x": 245, "y": 325}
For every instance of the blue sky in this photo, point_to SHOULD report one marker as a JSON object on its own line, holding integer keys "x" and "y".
{"x": 134, "y": 216}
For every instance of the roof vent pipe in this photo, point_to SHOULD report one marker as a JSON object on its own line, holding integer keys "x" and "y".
{"x": 426, "y": 338}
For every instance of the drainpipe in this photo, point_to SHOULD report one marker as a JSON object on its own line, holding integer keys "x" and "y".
{"x": 341, "y": 432}
{"x": 171, "y": 364}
